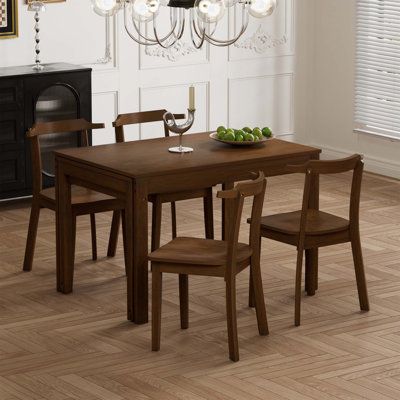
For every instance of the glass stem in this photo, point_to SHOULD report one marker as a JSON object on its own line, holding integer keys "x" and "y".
{"x": 180, "y": 142}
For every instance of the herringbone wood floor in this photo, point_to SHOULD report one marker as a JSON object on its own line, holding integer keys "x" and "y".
{"x": 80, "y": 346}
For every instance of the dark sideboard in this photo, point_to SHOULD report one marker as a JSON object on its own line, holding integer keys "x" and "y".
{"x": 60, "y": 91}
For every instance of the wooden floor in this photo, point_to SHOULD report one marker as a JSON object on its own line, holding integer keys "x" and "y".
{"x": 81, "y": 346}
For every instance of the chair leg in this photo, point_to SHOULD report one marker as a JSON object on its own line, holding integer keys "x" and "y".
{"x": 156, "y": 308}
{"x": 73, "y": 235}
{"x": 252, "y": 303}
{"x": 258, "y": 296}
{"x": 124, "y": 239}
{"x": 31, "y": 238}
{"x": 94, "y": 238}
{"x": 231, "y": 319}
{"x": 359, "y": 270}
{"x": 173, "y": 220}
{"x": 311, "y": 267}
{"x": 184, "y": 300}
{"x": 113, "y": 240}
{"x": 156, "y": 224}
{"x": 208, "y": 214}
{"x": 297, "y": 296}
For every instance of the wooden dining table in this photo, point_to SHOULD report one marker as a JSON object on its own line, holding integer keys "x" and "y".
{"x": 132, "y": 171}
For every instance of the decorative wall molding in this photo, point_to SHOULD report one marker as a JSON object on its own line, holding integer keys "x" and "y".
{"x": 277, "y": 91}
{"x": 173, "y": 53}
{"x": 261, "y": 41}
{"x": 107, "y": 51}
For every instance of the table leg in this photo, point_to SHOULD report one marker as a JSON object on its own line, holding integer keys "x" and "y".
{"x": 136, "y": 220}
{"x": 64, "y": 239}
{"x": 311, "y": 264}
{"x": 227, "y": 211}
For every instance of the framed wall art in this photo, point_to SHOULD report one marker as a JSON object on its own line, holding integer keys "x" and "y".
{"x": 8, "y": 19}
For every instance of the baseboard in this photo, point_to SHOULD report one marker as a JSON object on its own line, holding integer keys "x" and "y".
{"x": 372, "y": 164}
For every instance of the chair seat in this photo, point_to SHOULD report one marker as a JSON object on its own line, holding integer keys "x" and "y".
{"x": 79, "y": 195}
{"x": 186, "y": 250}
{"x": 318, "y": 223}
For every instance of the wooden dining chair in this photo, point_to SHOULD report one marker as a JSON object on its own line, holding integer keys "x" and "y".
{"x": 192, "y": 256}
{"x": 158, "y": 200}
{"x": 84, "y": 201}
{"x": 310, "y": 228}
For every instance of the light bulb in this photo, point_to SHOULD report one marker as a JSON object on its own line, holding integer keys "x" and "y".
{"x": 144, "y": 10}
{"x": 210, "y": 11}
{"x": 106, "y": 8}
{"x": 262, "y": 8}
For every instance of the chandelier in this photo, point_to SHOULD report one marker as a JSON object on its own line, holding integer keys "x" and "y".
{"x": 204, "y": 16}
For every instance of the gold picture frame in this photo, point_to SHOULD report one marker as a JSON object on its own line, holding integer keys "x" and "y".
{"x": 8, "y": 19}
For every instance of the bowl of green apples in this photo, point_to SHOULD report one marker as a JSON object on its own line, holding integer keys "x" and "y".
{"x": 242, "y": 137}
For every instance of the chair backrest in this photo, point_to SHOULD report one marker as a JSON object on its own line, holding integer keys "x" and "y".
{"x": 317, "y": 167}
{"x": 73, "y": 126}
{"x": 255, "y": 189}
{"x": 140, "y": 118}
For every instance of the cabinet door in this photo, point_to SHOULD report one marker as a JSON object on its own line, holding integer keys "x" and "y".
{"x": 54, "y": 98}
{"x": 12, "y": 142}
{"x": 11, "y": 95}
{"x": 12, "y": 173}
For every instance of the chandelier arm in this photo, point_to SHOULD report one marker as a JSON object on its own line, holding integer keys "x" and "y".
{"x": 149, "y": 41}
{"x": 132, "y": 36}
{"x": 160, "y": 41}
{"x": 181, "y": 17}
{"x": 194, "y": 29}
{"x": 193, "y": 24}
{"x": 183, "y": 20}
{"x": 157, "y": 41}
{"x": 221, "y": 43}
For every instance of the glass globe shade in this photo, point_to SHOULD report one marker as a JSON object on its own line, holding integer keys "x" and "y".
{"x": 210, "y": 11}
{"x": 262, "y": 8}
{"x": 144, "y": 10}
{"x": 106, "y": 8}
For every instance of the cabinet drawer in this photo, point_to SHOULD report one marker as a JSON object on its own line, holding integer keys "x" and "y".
{"x": 11, "y": 94}
{"x": 12, "y": 171}
{"x": 11, "y": 129}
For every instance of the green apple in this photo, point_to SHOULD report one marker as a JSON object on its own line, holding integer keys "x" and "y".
{"x": 239, "y": 132}
{"x": 257, "y": 133}
{"x": 247, "y": 129}
{"x": 229, "y": 136}
{"x": 221, "y": 129}
{"x": 221, "y": 134}
{"x": 267, "y": 132}
{"x": 249, "y": 137}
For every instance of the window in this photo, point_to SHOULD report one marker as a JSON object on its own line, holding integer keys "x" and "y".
{"x": 377, "y": 89}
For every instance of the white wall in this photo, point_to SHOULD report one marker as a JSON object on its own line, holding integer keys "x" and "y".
{"x": 325, "y": 86}
{"x": 248, "y": 84}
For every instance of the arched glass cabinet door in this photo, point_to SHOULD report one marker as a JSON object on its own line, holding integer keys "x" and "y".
{"x": 56, "y": 103}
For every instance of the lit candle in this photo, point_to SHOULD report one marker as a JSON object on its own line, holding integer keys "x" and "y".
{"x": 191, "y": 98}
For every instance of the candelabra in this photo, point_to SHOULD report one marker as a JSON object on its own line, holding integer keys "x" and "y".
{"x": 37, "y": 7}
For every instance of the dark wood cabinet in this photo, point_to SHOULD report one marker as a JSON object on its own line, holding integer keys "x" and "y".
{"x": 60, "y": 91}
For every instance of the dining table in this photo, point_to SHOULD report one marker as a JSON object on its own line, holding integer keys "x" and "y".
{"x": 132, "y": 171}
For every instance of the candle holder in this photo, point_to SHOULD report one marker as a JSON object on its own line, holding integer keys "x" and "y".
{"x": 170, "y": 122}
{"x": 37, "y": 7}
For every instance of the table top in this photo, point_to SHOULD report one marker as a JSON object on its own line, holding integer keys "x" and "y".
{"x": 147, "y": 158}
